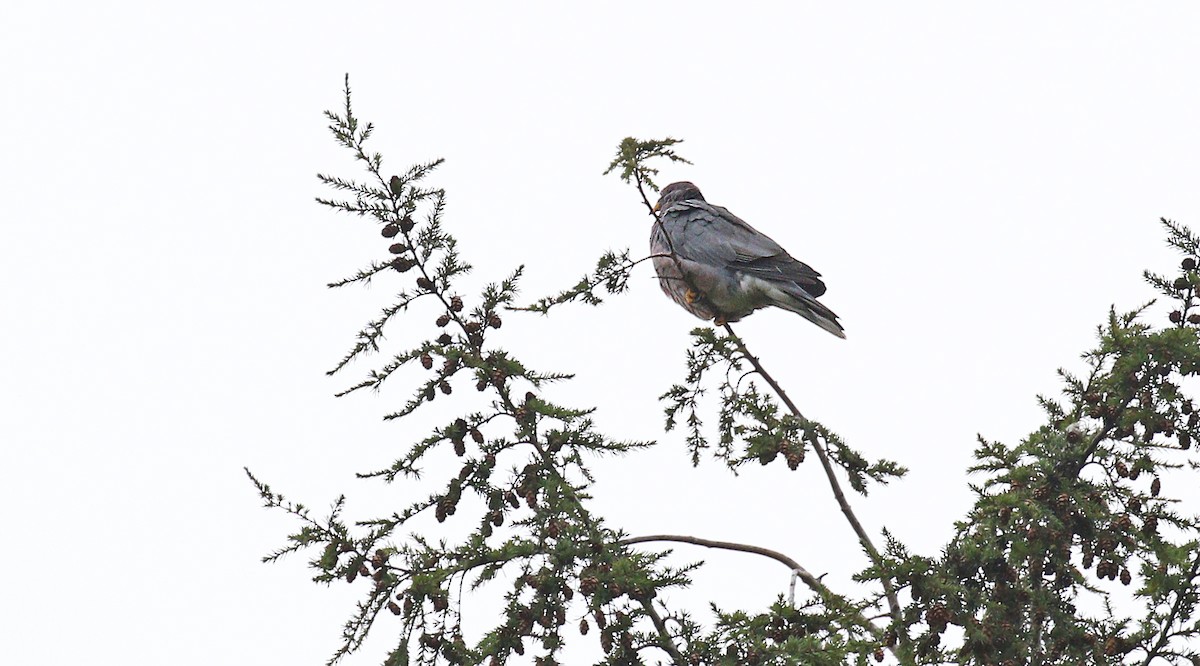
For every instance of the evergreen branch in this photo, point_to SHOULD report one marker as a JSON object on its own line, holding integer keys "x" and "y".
{"x": 831, "y": 476}
{"x": 343, "y": 184}
{"x": 1177, "y": 610}
{"x": 664, "y": 636}
{"x": 358, "y": 207}
{"x": 612, "y": 271}
{"x": 364, "y": 275}
{"x": 632, "y": 156}
{"x": 370, "y": 334}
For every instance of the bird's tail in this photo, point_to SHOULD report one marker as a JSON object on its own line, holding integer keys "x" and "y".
{"x": 793, "y": 298}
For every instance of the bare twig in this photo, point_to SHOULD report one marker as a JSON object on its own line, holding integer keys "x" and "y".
{"x": 645, "y": 199}
{"x": 803, "y": 573}
{"x": 814, "y": 583}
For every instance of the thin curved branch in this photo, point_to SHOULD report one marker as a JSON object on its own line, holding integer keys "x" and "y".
{"x": 808, "y": 578}
{"x": 803, "y": 574}
{"x": 645, "y": 199}
{"x": 834, "y": 484}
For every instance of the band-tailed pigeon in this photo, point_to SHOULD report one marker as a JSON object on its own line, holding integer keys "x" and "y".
{"x": 718, "y": 267}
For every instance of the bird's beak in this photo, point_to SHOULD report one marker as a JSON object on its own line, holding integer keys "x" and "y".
{"x": 657, "y": 205}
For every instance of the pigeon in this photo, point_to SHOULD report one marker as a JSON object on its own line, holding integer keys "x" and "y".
{"x": 719, "y": 268}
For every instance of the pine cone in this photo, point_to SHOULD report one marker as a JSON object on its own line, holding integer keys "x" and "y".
{"x": 1150, "y": 524}
{"x": 1063, "y": 502}
{"x": 588, "y": 585}
{"x": 793, "y": 460}
{"x": 937, "y": 617}
{"x": 1113, "y": 646}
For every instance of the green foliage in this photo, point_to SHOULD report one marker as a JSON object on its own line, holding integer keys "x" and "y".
{"x": 1077, "y": 503}
{"x": 634, "y": 160}
{"x": 612, "y": 273}
{"x": 524, "y": 461}
{"x": 751, "y": 424}
{"x": 1028, "y": 577}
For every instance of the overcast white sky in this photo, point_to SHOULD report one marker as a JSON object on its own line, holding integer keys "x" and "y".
{"x": 977, "y": 184}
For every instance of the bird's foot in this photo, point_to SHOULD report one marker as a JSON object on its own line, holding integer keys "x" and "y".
{"x": 720, "y": 320}
{"x": 690, "y": 296}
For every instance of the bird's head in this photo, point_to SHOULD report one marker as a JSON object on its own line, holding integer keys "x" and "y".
{"x": 681, "y": 191}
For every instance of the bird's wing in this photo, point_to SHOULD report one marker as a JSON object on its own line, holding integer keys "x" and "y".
{"x": 712, "y": 235}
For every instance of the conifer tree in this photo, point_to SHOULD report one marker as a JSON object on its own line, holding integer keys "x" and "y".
{"x": 1075, "y": 550}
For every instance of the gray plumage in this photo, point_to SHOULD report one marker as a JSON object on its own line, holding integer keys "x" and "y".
{"x": 721, "y": 268}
